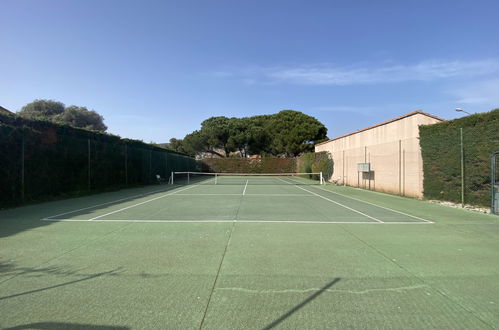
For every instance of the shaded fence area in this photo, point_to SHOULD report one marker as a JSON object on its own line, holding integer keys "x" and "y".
{"x": 457, "y": 158}
{"x": 40, "y": 160}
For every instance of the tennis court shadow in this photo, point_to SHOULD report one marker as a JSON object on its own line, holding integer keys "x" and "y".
{"x": 65, "y": 325}
{"x": 23, "y": 218}
{"x": 90, "y": 211}
{"x": 52, "y": 271}
{"x": 301, "y": 305}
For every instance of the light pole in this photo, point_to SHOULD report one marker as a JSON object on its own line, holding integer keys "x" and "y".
{"x": 461, "y": 110}
{"x": 462, "y": 158}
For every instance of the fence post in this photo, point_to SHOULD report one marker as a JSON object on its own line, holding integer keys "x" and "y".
{"x": 22, "y": 166}
{"x": 150, "y": 166}
{"x": 343, "y": 169}
{"x": 126, "y": 164}
{"x": 403, "y": 172}
{"x": 462, "y": 168}
{"x": 166, "y": 164}
{"x": 89, "y": 164}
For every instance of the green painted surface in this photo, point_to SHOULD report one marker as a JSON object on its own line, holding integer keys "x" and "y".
{"x": 317, "y": 259}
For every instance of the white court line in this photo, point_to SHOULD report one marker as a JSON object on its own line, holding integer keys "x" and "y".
{"x": 243, "y": 221}
{"x": 207, "y": 194}
{"x": 283, "y": 195}
{"x": 111, "y": 202}
{"x": 330, "y": 200}
{"x": 245, "y": 186}
{"x": 150, "y": 200}
{"x": 386, "y": 208}
{"x": 267, "y": 195}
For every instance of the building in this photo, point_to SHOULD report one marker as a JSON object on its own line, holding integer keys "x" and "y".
{"x": 5, "y": 111}
{"x": 384, "y": 157}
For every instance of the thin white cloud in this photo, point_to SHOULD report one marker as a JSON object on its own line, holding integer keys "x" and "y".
{"x": 361, "y": 110}
{"x": 481, "y": 94}
{"x": 356, "y": 75}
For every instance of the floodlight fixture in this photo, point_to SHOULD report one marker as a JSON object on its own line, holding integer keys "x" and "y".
{"x": 461, "y": 110}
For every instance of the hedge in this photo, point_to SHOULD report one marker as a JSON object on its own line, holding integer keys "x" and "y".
{"x": 247, "y": 165}
{"x": 41, "y": 160}
{"x": 441, "y": 152}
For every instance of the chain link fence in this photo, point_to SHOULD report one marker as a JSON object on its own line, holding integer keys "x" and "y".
{"x": 457, "y": 158}
{"x": 42, "y": 160}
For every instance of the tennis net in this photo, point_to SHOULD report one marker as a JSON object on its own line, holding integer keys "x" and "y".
{"x": 246, "y": 178}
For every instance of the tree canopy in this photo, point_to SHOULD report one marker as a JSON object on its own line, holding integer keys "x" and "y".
{"x": 287, "y": 133}
{"x": 47, "y": 109}
{"x": 56, "y": 111}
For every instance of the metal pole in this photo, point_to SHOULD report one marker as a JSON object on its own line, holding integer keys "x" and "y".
{"x": 365, "y": 161}
{"x": 88, "y": 164}
{"x": 22, "y": 167}
{"x": 403, "y": 172}
{"x": 400, "y": 167}
{"x": 370, "y": 170}
{"x": 494, "y": 183}
{"x": 344, "y": 178}
{"x": 150, "y": 166}
{"x": 166, "y": 164}
{"x": 462, "y": 168}
{"x": 126, "y": 164}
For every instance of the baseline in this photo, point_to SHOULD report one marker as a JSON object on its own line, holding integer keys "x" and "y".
{"x": 241, "y": 221}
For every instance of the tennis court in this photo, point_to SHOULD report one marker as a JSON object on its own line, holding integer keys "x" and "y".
{"x": 247, "y": 253}
{"x": 250, "y": 198}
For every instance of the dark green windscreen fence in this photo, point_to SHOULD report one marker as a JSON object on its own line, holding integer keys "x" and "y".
{"x": 41, "y": 160}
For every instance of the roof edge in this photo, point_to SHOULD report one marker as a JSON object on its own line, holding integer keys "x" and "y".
{"x": 412, "y": 113}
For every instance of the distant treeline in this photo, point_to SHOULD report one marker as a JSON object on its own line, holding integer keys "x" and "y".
{"x": 288, "y": 133}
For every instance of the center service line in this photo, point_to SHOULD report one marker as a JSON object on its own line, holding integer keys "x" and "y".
{"x": 245, "y": 186}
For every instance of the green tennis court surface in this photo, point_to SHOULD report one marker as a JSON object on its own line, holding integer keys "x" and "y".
{"x": 247, "y": 255}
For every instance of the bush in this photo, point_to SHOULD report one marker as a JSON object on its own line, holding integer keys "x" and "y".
{"x": 441, "y": 152}
{"x": 315, "y": 163}
{"x": 41, "y": 160}
{"x": 247, "y": 165}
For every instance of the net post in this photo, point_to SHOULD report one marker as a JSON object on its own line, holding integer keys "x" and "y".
{"x": 321, "y": 178}
{"x": 171, "y": 178}
{"x": 216, "y": 177}
{"x": 188, "y": 177}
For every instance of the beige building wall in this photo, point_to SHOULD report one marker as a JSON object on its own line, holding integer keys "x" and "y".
{"x": 392, "y": 149}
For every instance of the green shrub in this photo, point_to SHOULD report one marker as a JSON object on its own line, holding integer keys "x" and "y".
{"x": 247, "y": 165}
{"x": 316, "y": 162}
{"x": 41, "y": 160}
{"x": 441, "y": 152}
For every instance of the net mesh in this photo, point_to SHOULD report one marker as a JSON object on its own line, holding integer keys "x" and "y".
{"x": 203, "y": 178}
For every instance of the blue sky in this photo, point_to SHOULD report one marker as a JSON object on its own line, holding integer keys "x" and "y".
{"x": 156, "y": 69}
